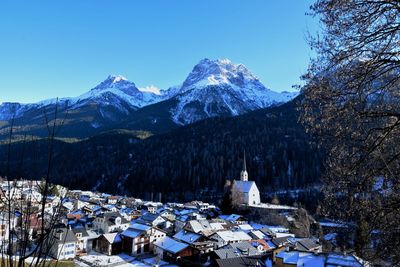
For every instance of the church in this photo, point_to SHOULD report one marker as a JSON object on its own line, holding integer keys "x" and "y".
{"x": 244, "y": 191}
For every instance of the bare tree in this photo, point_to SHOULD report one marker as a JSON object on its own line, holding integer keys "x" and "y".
{"x": 352, "y": 106}
{"x": 28, "y": 223}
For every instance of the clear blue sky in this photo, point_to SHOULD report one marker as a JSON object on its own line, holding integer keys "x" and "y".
{"x": 64, "y": 48}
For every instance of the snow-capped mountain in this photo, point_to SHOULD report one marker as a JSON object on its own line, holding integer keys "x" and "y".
{"x": 115, "y": 91}
{"x": 118, "y": 87}
{"x": 220, "y": 87}
{"x": 213, "y": 88}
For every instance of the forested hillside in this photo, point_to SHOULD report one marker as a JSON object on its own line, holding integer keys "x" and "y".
{"x": 191, "y": 161}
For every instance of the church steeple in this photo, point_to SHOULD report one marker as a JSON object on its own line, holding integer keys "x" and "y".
{"x": 244, "y": 160}
{"x": 244, "y": 176}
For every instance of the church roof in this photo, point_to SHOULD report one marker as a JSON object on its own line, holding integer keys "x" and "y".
{"x": 244, "y": 186}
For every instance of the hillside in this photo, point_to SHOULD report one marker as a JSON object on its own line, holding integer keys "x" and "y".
{"x": 191, "y": 161}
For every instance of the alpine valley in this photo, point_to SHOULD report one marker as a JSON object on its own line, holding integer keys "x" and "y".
{"x": 119, "y": 138}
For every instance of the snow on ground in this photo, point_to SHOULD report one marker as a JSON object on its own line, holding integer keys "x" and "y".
{"x": 273, "y": 206}
{"x": 134, "y": 264}
{"x": 121, "y": 260}
{"x": 333, "y": 224}
{"x": 154, "y": 261}
{"x": 104, "y": 260}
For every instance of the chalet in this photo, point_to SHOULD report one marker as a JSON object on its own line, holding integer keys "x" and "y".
{"x": 167, "y": 214}
{"x": 172, "y": 250}
{"x": 280, "y": 244}
{"x": 109, "y": 244}
{"x": 63, "y": 244}
{"x": 241, "y": 249}
{"x": 91, "y": 240}
{"x": 203, "y": 227}
{"x": 110, "y": 222}
{"x": 224, "y": 238}
{"x": 139, "y": 238}
{"x": 82, "y": 239}
{"x": 198, "y": 242}
{"x": 155, "y": 220}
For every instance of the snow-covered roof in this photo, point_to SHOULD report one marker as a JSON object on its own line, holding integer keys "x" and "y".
{"x": 272, "y": 206}
{"x": 245, "y": 227}
{"x": 333, "y": 224}
{"x": 233, "y": 236}
{"x": 200, "y": 225}
{"x": 132, "y": 233}
{"x": 244, "y": 186}
{"x": 279, "y": 235}
{"x": 171, "y": 245}
{"x": 342, "y": 260}
{"x": 187, "y": 237}
{"x": 257, "y": 234}
{"x": 311, "y": 260}
{"x": 288, "y": 257}
{"x": 139, "y": 226}
{"x": 112, "y": 237}
{"x": 217, "y": 226}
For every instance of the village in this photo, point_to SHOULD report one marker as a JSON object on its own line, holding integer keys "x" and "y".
{"x": 98, "y": 229}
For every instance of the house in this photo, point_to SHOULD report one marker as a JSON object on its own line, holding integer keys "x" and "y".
{"x": 172, "y": 250}
{"x": 63, "y": 244}
{"x": 167, "y": 214}
{"x": 110, "y": 222}
{"x": 109, "y": 244}
{"x": 198, "y": 242}
{"x": 34, "y": 221}
{"x": 155, "y": 220}
{"x": 139, "y": 238}
{"x": 82, "y": 239}
{"x": 203, "y": 227}
{"x": 241, "y": 249}
{"x": 280, "y": 244}
{"x": 91, "y": 240}
{"x": 245, "y": 192}
{"x": 187, "y": 237}
{"x": 224, "y": 238}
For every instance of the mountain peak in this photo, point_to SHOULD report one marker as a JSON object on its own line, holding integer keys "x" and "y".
{"x": 115, "y": 81}
{"x": 217, "y": 72}
{"x": 116, "y": 78}
{"x": 223, "y": 61}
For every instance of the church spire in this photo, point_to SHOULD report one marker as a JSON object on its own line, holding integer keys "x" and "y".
{"x": 244, "y": 160}
{"x": 244, "y": 176}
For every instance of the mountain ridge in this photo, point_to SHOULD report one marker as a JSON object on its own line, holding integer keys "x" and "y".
{"x": 213, "y": 88}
